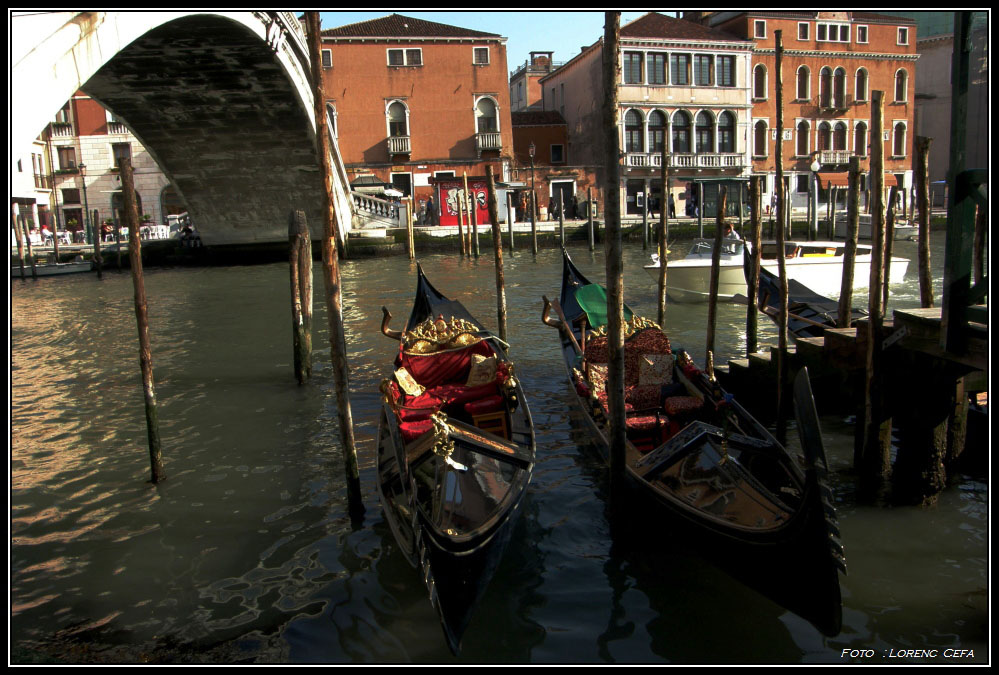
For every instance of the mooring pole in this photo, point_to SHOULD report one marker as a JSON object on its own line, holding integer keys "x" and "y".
{"x": 845, "y": 310}
{"x": 300, "y": 268}
{"x": 923, "y": 195}
{"x": 614, "y": 266}
{"x": 131, "y": 214}
{"x": 663, "y": 239}
{"x": 31, "y": 256}
{"x": 498, "y": 255}
{"x": 753, "y": 280}
{"x": 783, "y": 214}
{"x": 715, "y": 261}
{"x": 875, "y": 459}
{"x": 509, "y": 219}
{"x": 410, "y": 248}
{"x": 889, "y": 244}
{"x": 589, "y": 216}
{"x": 331, "y": 275}
{"x": 19, "y": 235}
{"x": 645, "y": 218}
{"x": 462, "y": 203}
{"x": 561, "y": 220}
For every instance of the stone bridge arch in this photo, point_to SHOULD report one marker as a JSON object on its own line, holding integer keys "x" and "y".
{"x": 221, "y": 100}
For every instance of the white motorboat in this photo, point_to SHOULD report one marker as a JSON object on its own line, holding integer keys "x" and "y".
{"x": 50, "y": 269}
{"x": 816, "y": 264}
{"x": 903, "y": 229}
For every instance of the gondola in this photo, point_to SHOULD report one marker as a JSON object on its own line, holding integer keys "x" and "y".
{"x": 704, "y": 469}
{"x": 809, "y": 314}
{"x": 456, "y": 451}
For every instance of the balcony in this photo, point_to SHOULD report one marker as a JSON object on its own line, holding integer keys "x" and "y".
{"x": 711, "y": 160}
{"x": 398, "y": 145}
{"x": 61, "y": 129}
{"x": 489, "y": 140}
{"x": 117, "y": 128}
{"x": 827, "y": 157}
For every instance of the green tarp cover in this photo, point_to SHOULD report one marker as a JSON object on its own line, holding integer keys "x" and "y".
{"x": 592, "y": 299}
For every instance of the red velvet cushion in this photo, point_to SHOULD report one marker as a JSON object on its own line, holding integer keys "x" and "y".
{"x": 643, "y": 397}
{"x": 485, "y": 405}
{"x": 456, "y": 394}
{"x": 435, "y": 369}
{"x": 412, "y": 430}
{"x": 644, "y": 422}
{"x": 419, "y": 407}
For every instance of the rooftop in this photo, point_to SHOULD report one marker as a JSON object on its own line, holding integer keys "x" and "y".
{"x": 399, "y": 26}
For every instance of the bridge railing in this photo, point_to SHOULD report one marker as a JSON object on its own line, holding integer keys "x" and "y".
{"x": 377, "y": 210}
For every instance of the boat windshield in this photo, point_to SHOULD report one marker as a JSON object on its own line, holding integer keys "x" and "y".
{"x": 702, "y": 247}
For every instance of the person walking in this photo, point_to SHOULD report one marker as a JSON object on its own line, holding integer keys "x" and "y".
{"x": 672, "y": 206}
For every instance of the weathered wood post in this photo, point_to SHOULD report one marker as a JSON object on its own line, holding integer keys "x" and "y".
{"x": 614, "y": 266}
{"x": 922, "y": 172}
{"x": 783, "y": 214}
{"x": 850, "y": 247}
{"x": 300, "y": 269}
{"x": 509, "y": 219}
{"x": 131, "y": 214}
{"x": 331, "y": 275}
{"x": 663, "y": 239}
{"x": 497, "y": 254}
{"x": 875, "y": 464}
{"x": 96, "y": 230}
{"x": 700, "y": 209}
{"x": 831, "y": 223}
{"x": 19, "y": 235}
{"x": 589, "y": 216}
{"x": 561, "y": 220}
{"x": 117, "y": 243}
{"x": 534, "y": 216}
{"x": 715, "y": 261}
{"x": 978, "y": 251}
{"x": 410, "y": 248}
{"x": 889, "y": 245}
{"x": 461, "y": 223}
{"x": 753, "y": 280}
{"x": 645, "y": 218}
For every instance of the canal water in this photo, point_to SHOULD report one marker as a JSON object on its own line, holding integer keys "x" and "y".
{"x": 245, "y": 554}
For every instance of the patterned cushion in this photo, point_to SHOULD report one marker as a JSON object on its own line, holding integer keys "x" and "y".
{"x": 597, "y": 350}
{"x": 407, "y": 383}
{"x": 645, "y": 422}
{"x": 649, "y": 341}
{"x": 642, "y": 398}
{"x": 483, "y": 370}
{"x": 602, "y": 398}
{"x": 679, "y": 405}
{"x": 655, "y": 369}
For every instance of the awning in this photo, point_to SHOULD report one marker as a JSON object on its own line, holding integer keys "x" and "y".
{"x": 837, "y": 179}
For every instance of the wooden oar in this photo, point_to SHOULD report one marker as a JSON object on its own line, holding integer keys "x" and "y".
{"x": 549, "y": 304}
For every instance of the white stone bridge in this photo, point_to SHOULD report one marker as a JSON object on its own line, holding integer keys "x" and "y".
{"x": 222, "y": 101}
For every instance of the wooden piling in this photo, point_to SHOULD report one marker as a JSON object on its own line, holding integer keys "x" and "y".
{"x": 875, "y": 461}
{"x": 509, "y": 220}
{"x": 614, "y": 265}
{"x": 300, "y": 268}
{"x": 19, "y": 235}
{"x": 978, "y": 250}
{"x": 497, "y": 255}
{"x": 410, "y": 243}
{"x": 844, "y": 311}
{"x": 31, "y": 255}
{"x": 589, "y": 216}
{"x": 783, "y": 212}
{"x": 715, "y": 261}
{"x": 663, "y": 239}
{"x": 130, "y": 211}
{"x": 753, "y": 280}
{"x": 922, "y": 174}
{"x": 561, "y": 220}
{"x": 331, "y": 275}
{"x": 95, "y": 228}
{"x": 534, "y": 219}
{"x": 889, "y": 243}
{"x": 461, "y": 223}
{"x": 645, "y": 219}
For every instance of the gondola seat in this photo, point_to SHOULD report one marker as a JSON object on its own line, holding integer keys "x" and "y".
{"x": 682, "y": 407}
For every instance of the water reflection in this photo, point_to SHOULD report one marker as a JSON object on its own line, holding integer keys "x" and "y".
{"x": 246, "y": 552}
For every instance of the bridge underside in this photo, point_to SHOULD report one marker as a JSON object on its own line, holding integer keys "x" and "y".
{"x": 213, "y": 105}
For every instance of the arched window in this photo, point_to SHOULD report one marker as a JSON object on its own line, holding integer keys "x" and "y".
{"x": 657, "y": 130}
{"x": 486, "y": 119}
{"x": 860, "y": 140}
{"x": 633, "y": 136}
{"x": 839, "y": 136}
{"x": 803, "y": 93}
{"x": 331, "y": 119}
{"x": 802, "y": 140}
{"x": 681, "y": 132}
{"x": 760, "y": 139}
{"x": 825, "y": 136}
{"x": 825, "y": 87}
{"x": 398, "y": 119}
{"x": 705, "y": 133}
{"x": 861, "y": 85}
{"x": 726, "y": 132}
{"x": 901, "y": 78}
{"x": 898, "y": 147}
{"x": 760, "y": 81}
{"x": 839, "y": 88}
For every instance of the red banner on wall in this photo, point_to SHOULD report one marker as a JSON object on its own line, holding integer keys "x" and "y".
{"x": 449, "y": 194}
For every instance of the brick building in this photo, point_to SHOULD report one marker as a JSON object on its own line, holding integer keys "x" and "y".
{"x": 525, "y": 82}
{"x": 85, "y": 134}
{"x": 682, "y": 84}
{"x": 832, "y": 62}
{"x": 411, "y": 101}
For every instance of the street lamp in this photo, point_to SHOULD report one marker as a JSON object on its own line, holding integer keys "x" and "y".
{"x": 86, "y": 206}
{"x": 814, "y": 225}
{"x": 534, "y": 201}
